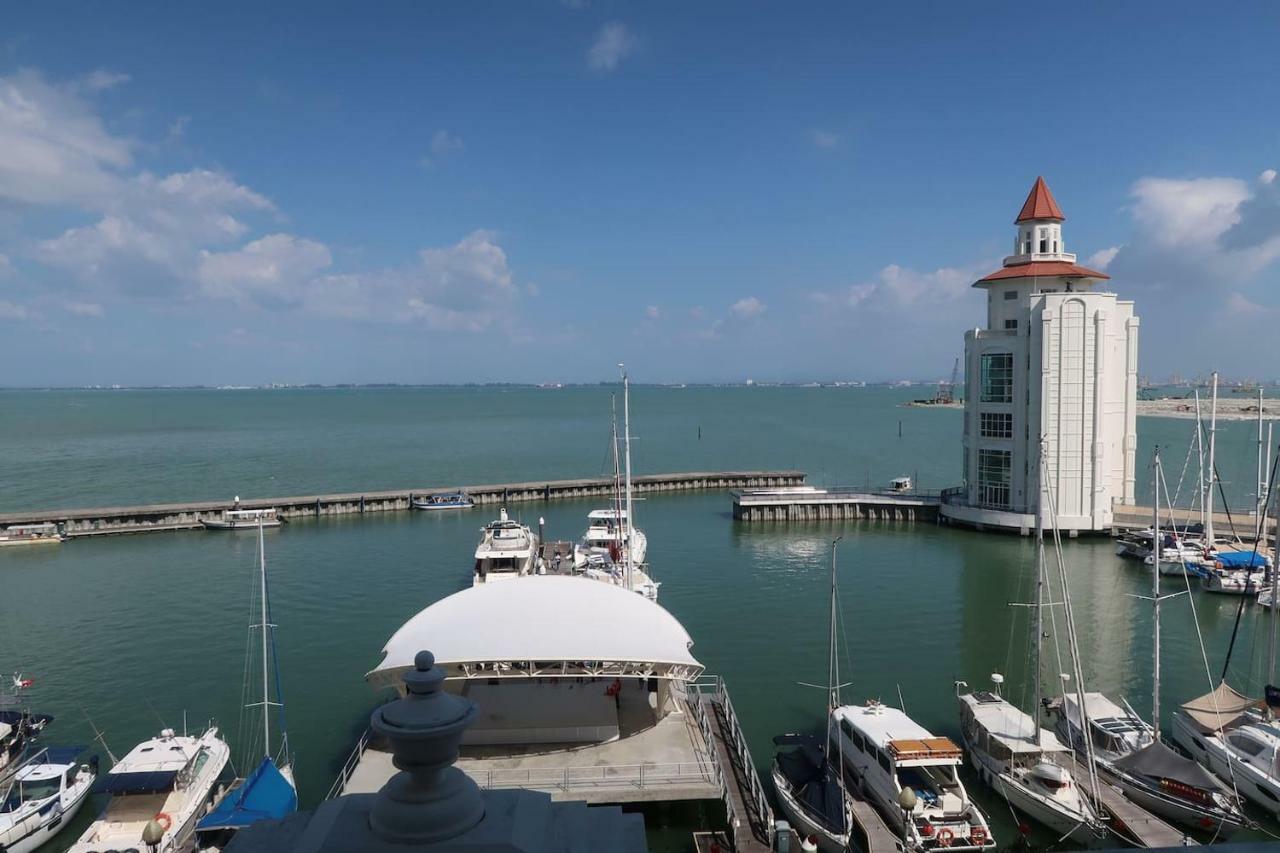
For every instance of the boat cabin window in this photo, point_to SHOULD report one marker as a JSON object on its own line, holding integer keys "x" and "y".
{"x": 39, "y": 789}
{"x": 847, "y": 728}
{"x": 858, "y": 742}
{"x": 884, "y": 761}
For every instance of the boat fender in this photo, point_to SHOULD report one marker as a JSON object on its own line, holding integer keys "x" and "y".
{"x": 945, "y": 837}
{"x": 164, "y": 820}
{"x": 978, "y": 836}
{"x": 809, "y": 844}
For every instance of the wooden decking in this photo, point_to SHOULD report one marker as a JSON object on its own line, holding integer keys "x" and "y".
{"x": 877, "y": 837}
{"x": 756, "y": 837}
{"x": 1130, "y": 821}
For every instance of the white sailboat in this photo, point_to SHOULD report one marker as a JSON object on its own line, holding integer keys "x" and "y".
{"x": 1014, "y": 755}
{"x": 269, "y": 791}
{"x": 1129, "y": 751}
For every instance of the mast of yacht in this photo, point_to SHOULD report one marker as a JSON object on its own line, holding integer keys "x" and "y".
{"x": 1156, "y": 554}
{"x": 262, "y": 591}
{"x": 833, "y": 662}
{"x": 1262, "y": 472}
{"x": 626, "y": 445}
{"x": 1212, "y": 472}
{"x": 1275, "y": 584}
{"x": 1200, "y": 453}
{"x": 1040, "y": 578}
{"x": 617, "y": 464}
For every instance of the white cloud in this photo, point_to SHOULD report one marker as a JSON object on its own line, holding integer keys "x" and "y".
{"x": 748, "y": 306}
{"x": 101, "y": 80}
{"x": 824, "y": 138}
{"x": 273, "y": 271}
{"x": 1268, "y": 176}
{"x": 13, "y": 311}
{"x": 1102, "y": 258}
{"x": 443, "y": 142}
{"x": 178, "y": 127}
{"x": 653, "y": 312}
{"x": 613, "y": 43}
{"x": 897, "y": 287}
{"x": 84, "y": 309}
{"x": 55, "y": 148}
{"x": 1176, "y": 212}
{"x": 6, "y": 266}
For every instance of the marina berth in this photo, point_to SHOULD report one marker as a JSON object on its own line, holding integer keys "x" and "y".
{"x": 575, "y": 683}
{"x": 46, "y": 793}
{"x": 162, "y": 786}
{"x": 883, "y": 752}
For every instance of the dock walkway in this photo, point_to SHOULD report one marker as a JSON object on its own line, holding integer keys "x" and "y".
{"x": 101, "y": 521}
{"x": 834, "y": 505}
{"x": 1130, "y": 821}
{"x": 749, "y": 816}
{"x": 1131, "y": 517}
{"x": 876, "y": 835}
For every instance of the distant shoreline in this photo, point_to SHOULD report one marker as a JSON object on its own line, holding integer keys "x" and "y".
{"x": 1234, "y": 408}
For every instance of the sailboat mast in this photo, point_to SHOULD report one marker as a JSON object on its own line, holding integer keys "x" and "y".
{"x": 1262, "y": 472}
{"x": 1200, "y": 452}
{"x": 1156, "y": 554}
{"x": 626, "y": 445}
{"x": 1040, "y": 577}
{"x": 266, "y": 696}
{"x": 1275, "y": 585}
{"x": 1212, "y": 472}
{"x": 617, "y": 465}
{"x": 833, "y": 664}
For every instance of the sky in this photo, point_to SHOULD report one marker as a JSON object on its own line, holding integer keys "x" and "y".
{"x": 240, "y": 193}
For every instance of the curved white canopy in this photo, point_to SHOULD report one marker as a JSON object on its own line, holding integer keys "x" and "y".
{"x": 546, "y": 627}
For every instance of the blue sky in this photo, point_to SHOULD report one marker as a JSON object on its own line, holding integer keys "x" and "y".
{"x": 426, "y": 192}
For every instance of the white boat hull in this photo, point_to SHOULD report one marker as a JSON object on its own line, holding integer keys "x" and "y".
{"x": 1254, "y": 785}
{"x": 36, "y": 828}
{"x": 805, "y": 826}
{"x": 219, "y": 524}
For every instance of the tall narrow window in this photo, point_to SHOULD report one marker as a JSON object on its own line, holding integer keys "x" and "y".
{"x": 1044, "y": 241}
{"x": 997, "y": 377}
{"x": 993, "y": 477}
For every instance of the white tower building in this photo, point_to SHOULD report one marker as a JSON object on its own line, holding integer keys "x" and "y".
{"x": 1058, "y": 360}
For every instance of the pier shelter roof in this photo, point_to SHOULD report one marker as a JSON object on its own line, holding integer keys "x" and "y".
{"x": 543, "y": 627}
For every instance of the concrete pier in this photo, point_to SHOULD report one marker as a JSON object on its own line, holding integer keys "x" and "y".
{"x": 181, "y": 516}
{"x": 834, "y": 505}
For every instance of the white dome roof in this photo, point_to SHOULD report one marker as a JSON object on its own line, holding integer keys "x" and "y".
{"x": 545, "y": 619}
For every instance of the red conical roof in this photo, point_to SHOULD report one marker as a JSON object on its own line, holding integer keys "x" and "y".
{"x": 1040, "y": 204}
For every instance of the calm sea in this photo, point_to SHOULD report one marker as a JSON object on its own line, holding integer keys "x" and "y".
{"x": 134, "y": 632}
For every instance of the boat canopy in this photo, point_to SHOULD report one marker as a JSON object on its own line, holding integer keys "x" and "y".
{"x": 1240, "y": 559}
{"x": 1221, "y": 709}
{"x": 1158, "y": 761}
{"x": 265, "y": 795}
{"x": 814, "y": 781}
{"x": 545, "y": 627}
{"x": 142, "y": 782}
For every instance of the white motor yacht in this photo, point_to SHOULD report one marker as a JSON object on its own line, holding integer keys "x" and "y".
{"x": 1230, "y": 734}
{"x": 243, "y": 519}
{"x": 46, "y": 792}
{"x": 169, "y": 779}
{"x": 882, "y": 751}
{"x": 607, "y": 534}
{"x": 1026, "y": 764}
{"x": 507, "y": 549}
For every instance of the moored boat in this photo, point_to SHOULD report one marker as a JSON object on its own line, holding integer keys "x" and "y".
{"x": 167, "y": 780}
{"x": 507, "y": 549}
{"x": 1230, "y": 734}
{"x": 810, "y": 792}
{"x": 243, "y": 519}
{"x": 444, "y": 500}
{"x": 47, "y": 791}
{"x": 45, "y": 533}
{"x": 19, "y": 728}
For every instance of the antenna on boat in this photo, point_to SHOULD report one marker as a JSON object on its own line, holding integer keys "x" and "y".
{"x": 99, "y": 736}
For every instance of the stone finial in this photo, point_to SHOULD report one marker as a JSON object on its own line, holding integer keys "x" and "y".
{"x": 430, "y": 799}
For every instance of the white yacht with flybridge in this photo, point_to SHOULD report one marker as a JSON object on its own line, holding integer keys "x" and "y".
{"x": 507, "y": 549}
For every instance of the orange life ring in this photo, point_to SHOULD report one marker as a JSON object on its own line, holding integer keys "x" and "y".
{"x": 945, "y": 837}
{"x": 164, "y": 820}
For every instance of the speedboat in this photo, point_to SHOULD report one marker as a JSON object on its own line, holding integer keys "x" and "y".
{"x": 883, "y": 751}
{"x": 1144, "y": 769}
{"x": 46, "y": 792}
{"x": 810, "y": 793}
{"x": 31, "y": 534}
{"x": 607, "y": 534}
{"x": 243, "y": 519}
{"x": 507, "y": 549}
{"x": 169, "y": 779}
{"x": 1026, "y": 764}
{"x": 449, "y": 500}
{"x": 1230, "y": 734}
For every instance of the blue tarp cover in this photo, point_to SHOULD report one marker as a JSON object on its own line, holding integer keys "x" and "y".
{"x": 265, "y": 795}
{"x": 1240, "y": 559}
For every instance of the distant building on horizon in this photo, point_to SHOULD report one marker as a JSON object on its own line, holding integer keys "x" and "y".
{"x": 1057, "y": 360}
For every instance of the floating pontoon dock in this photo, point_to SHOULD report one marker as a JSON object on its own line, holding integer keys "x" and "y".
{"x": 804, "y": 504}
{"x": 184, "y": 516}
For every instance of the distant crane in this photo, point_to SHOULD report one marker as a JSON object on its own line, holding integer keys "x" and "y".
{"x": 947, "y": 390}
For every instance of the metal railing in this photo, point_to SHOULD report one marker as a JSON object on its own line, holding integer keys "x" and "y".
{"x": 599, "y": 776}
{"x": 702, "y": 693}
{"x": 349, "y": 767}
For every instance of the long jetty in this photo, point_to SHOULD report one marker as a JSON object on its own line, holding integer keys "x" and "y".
{"x": 103, "y": 521}
{"x": 835, "y": 505}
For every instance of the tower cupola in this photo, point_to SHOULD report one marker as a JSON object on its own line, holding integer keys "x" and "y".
{"x": 1039, "y": 224}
